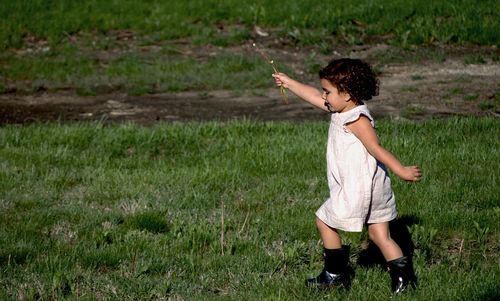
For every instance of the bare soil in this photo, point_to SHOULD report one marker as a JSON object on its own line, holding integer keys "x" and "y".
{"x": 416, "y": 89}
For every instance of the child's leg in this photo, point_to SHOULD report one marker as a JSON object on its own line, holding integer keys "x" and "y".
{"x": 336, "y": 257}
{"x": 400, "y": 267}
{"x": 380, "y": 235}
{"x": 330, "y": 237}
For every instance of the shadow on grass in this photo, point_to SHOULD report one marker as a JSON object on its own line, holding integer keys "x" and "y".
{"x": 371, "y": 256}
{"x": 492, "y": 294}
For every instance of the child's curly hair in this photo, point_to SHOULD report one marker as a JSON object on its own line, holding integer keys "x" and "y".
{"x": 352, "y": 76}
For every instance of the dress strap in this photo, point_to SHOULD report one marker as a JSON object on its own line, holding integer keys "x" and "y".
{"x": 355, "y": 114}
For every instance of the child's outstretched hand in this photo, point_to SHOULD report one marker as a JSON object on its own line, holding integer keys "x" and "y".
{"x": 411, "y": 173}
{"x": 282, "y": 80}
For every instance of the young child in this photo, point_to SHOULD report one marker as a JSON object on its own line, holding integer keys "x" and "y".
{"x": 360, "y": 188}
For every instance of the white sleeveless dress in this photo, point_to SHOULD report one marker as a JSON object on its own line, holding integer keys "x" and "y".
{"x": 360, "y": 187}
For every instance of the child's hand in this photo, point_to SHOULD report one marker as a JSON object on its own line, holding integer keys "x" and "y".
{"x": 282, "y": 80}
{"x": 411, "y": 173}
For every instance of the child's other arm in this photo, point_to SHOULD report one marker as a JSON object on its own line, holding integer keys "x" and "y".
{"x": 306, "y": 92}
{"x": 364, "y": 131}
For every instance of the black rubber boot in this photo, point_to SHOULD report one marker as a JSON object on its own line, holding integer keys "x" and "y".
{"x": 402, "y": 274}
{"x": 336, "y": 271}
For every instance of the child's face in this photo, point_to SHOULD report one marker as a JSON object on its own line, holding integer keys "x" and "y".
{"x": 335, "y": 101}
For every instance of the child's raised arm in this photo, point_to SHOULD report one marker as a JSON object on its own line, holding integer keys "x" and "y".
{"x": 306, "y": 92}
{"x": 364, "y": 131}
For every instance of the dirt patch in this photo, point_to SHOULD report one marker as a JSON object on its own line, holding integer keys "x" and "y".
{"x": 413, "y": 90}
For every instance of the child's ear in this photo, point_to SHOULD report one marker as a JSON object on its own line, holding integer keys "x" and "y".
{"x": 346, "y": 96}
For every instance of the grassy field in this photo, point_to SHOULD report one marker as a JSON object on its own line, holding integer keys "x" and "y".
{"x": 95, "y": 47}
{"x": 413, "y": 22}
{"x": 133, "y": 72}
{"x": 224, "y": 211}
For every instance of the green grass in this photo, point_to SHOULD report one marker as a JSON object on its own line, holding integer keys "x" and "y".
{"x": 410, "y": 111}
{"x": 305, "y": 22}
{"x": 69, "y": 67}
{"x": 128, "y": 212}
{"x": 95, "y": 47}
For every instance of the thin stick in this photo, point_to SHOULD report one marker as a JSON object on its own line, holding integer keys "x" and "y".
{"x": 134, "y": 262}
{"x": 244, "y": 223}
{"x": 460, "y": 251}
{"x": 263, "y": 54}
{"x": 222, "y": 231}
